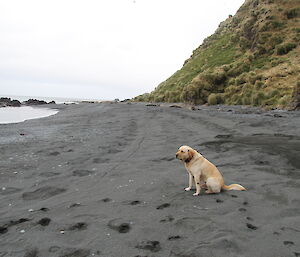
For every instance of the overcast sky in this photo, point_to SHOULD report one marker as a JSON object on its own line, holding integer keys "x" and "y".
{"x": 100, "y": 49}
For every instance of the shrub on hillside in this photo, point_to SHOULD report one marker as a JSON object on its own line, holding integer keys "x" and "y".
{"x": 292, "y": 13}
{"x": 277, "y": 24}
{"x": 246, "y": 100}
{"x": 173, "y": 96}
{"x": 258, "y": 98}
{"x": 271, "y": 101}
{"x": 190, "y": 94}
{"x": 284, "y": 100}
{"x": 270, "y": 25}
{"x": 275, "y": 40}
{"x": 258, "y": 84}
{"x": 215, "y": 98}
{"x": 159, "y": 98}
{"x": 273, "y": 93}
{"x": 212, "y": 99}
{"x": 244, "y": 43}
{"x": 242, "y": 79}
{"x": 238, "y": 68}
{"x": 285, "y": 48}
{"x": 142, "y": 98}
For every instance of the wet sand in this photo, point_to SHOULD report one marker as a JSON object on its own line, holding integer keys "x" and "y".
{"x": 102, "y": 180}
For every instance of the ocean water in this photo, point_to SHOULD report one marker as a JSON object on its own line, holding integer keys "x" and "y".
{"x": 20, "y": 114}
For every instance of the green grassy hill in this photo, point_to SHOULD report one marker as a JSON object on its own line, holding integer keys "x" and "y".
{"x": 253, "y": 58}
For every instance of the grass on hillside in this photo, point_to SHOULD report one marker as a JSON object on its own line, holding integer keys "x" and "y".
{"x": 252, "y": 59}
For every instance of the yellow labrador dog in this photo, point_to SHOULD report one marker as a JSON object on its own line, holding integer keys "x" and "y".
{"x": 205, "y": 174}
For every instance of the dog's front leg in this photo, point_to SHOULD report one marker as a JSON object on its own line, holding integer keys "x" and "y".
{"x": 190, "y": 182}
{"x": 197, "y": 183}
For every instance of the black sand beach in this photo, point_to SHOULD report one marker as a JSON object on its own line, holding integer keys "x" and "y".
{"x": 102, "y": 180}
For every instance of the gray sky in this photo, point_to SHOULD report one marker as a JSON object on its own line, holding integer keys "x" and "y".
{"x": 100, "y": 49}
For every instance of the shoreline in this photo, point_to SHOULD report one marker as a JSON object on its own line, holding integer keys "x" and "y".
{"x": 102, "y": 180}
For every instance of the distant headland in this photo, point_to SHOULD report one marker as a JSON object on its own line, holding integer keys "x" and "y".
{"x": 8, "y": 102}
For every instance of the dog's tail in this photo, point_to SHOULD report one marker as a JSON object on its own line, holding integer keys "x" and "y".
{"x": 233, "y": 187}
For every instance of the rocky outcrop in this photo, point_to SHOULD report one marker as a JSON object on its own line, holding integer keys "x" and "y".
{"x": 6, "y": 101}
{"x": 34, "y": 102}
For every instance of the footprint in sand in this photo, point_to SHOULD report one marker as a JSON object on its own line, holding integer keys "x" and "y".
{"x": 106, "y": 200}
{"x": 260, "y": 162}
{"x": 288, "y": 243}
{"x": 3, "y": 230}
{"x": 153, "y": 246}
{"x": 163, "y": 206}
{"x": 53, "y": 249}
{"x": 16, "y": 222}
{"x": 32, "y": 253}
{"x": 171, "y": 238}
{"x": 99, "y": 160}
{"x": 81, "y": 173}
{"x": 44, "y": 222}
{"x": 54, "y": 153}
{"x": 135, "y": 202}
{"x": 251, "y": 226}
{"x": 119, "y": 225}
{"x": 44, "y": 209}
{"x": 168, "y": 218}
{"x": 43, "y": 193}
{"x": 76, "y": 253}
{"x": 113, "y": 151}
{"x": 74, "y": 205}
{"x": 223, "y": 136}
{"x": 78, "y": 226}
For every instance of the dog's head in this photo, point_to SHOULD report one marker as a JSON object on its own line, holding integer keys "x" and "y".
{"x": 185, "y": 153}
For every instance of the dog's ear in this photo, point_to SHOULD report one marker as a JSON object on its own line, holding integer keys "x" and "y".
{"x": 191, "y": 153}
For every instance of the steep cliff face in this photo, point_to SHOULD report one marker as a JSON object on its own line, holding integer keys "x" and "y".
{"x": 253, "y": 58}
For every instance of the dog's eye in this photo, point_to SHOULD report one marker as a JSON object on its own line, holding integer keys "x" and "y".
{"x": 181, "y": 151}
{"x": 188, "y": 150}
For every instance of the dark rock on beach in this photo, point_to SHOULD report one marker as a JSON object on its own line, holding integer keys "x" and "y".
{"x": 15, "y": 103}
{"x": 34, "y": 102}
{"x": 5, "y": 101}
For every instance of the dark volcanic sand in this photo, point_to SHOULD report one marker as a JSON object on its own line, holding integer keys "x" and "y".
{"x": 102, "y": 180}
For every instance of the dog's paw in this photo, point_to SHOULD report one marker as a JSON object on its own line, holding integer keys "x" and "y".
{"x": 195, "y": 194}
{"x": 187, "y": 189}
